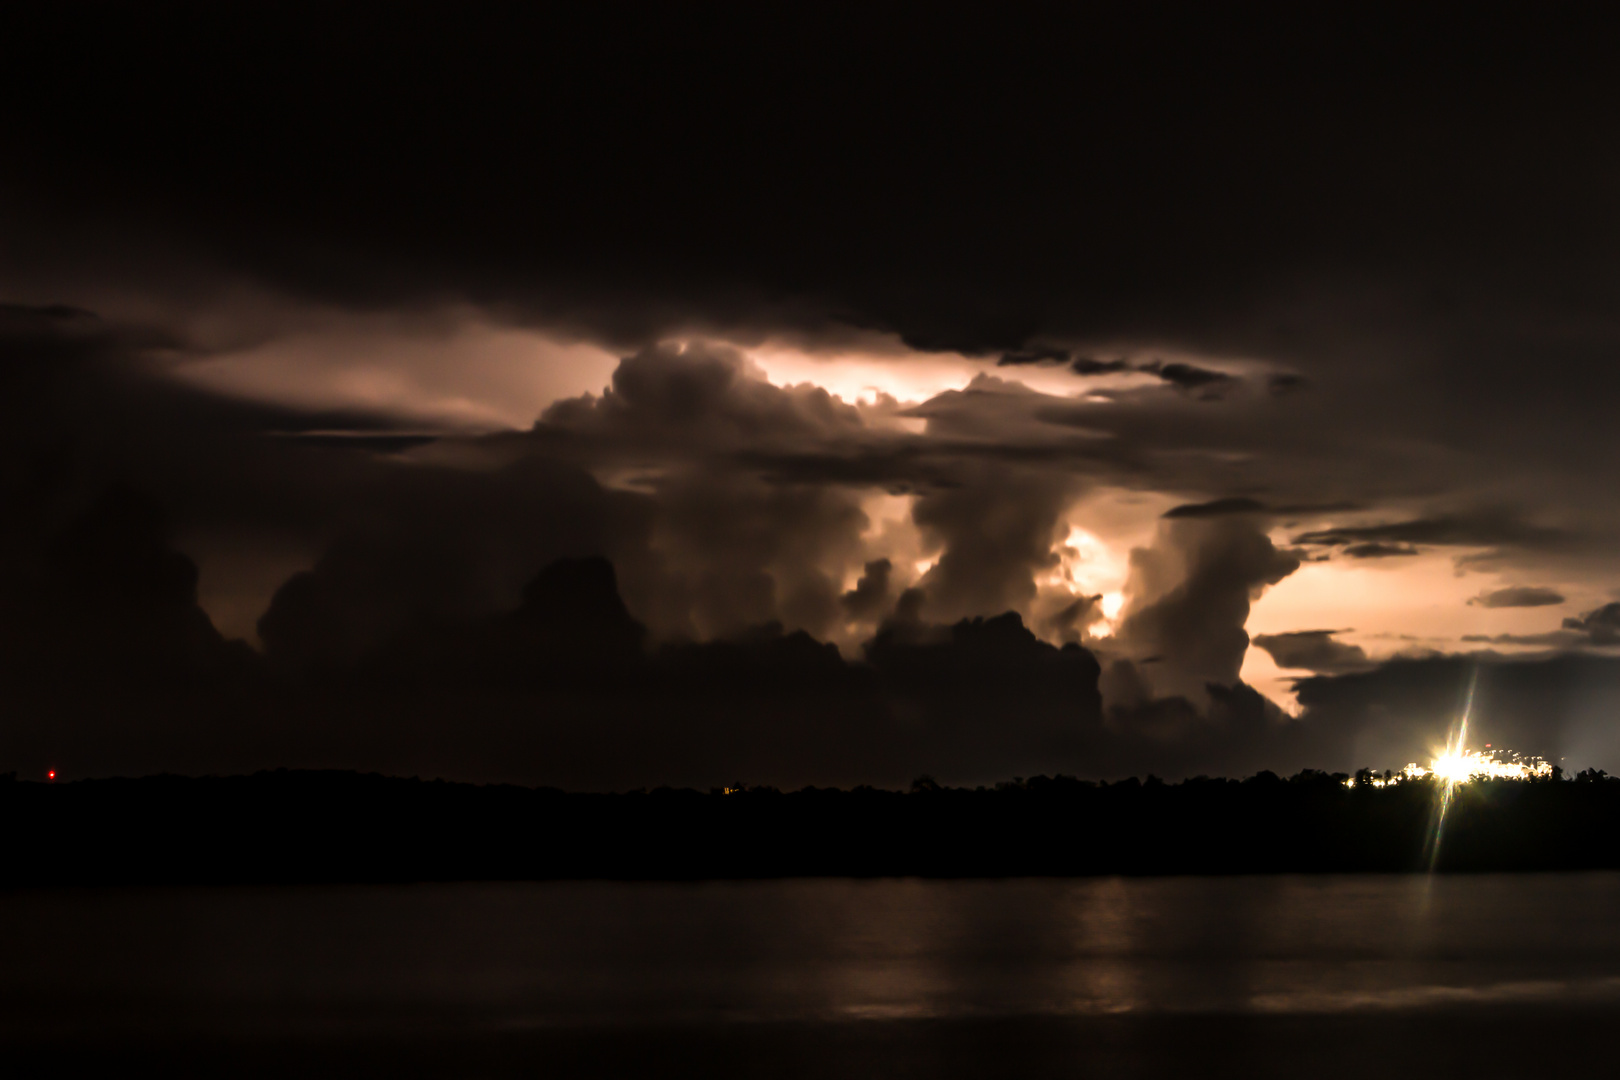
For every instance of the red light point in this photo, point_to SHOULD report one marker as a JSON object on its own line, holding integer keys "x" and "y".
{"x": 51, "y": 775}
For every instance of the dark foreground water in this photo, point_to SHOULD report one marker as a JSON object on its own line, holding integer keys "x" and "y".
{"x": 1252, "y": 977}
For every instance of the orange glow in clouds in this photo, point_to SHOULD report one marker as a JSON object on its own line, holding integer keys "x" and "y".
{"x": 454, "y": 370}
{"x": 1087, "y": 566}
{"x": 859, "y": 376}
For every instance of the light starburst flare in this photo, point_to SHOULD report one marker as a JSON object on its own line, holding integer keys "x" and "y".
{"x": 1454, "y": 764}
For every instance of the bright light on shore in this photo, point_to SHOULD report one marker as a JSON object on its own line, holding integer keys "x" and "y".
{"x": 1460, "y": 766}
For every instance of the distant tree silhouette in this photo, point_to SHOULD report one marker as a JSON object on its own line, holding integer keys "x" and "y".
{"x": 330, "y": 826}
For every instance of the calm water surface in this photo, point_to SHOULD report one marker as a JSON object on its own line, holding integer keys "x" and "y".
{"x": 1109, "y": 976}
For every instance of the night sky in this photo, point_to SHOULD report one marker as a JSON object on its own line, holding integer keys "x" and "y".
{"x": 610, "y": 398}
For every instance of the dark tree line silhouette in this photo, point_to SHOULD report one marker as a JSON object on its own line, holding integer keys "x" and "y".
{"x": 290, "y": 826}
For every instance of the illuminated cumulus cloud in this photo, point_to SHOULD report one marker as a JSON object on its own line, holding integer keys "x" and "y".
{"x": 674, "y": 400}
{"x": 729, "y": 503}
{"x": 1188, "y": 599}
{"x": 997, "y": 532}
{"x": 728, "y": 548}
{"x": 754, "y": 484}
{"x": 1082, "y": 593}
{"x": 990, "y": 488}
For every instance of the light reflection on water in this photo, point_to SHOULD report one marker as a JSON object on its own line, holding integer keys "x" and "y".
{"x": 518, "y": 956}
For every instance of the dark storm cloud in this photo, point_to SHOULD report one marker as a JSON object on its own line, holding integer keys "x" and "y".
{"x": 1207, "y": 384}
{"x": 566, "y": 692}
{"x": 1043, "y": 357}
{"x": 1602, "y": 625}
{"x": 1519, "y": 596}
{"x": 1313, "y": 650}
{"x": 1216, "y": 508}
{"x": 1376, "y": 549}
{"x": 439, "y": 547}
{"x": 1326, "y": 230}
{"x": 562, "y": 689}
{"x": 101, "y": 635}
{"x": 1488, "y": 529}
{"x": 881, "y": 194}
{"x": 411, "y": 645}
{"x": 1070, "y": 621}
{"x": 405, "y": 539}
{"x": 1085, "y": 365}
{"x": 115, "y": 669}
{"x": 871, "y": 598}
{"x": 1297, "y": 455}
{"x": 1430, "y": 252}
{"x": 21, "y": 323}
{"x": 441, "y": 532}
{"x": 1551, "y": 639}
{"x": 384, "y": 442}
{"x": 95, "y": 396}
{"x": 82, "y": 409}
{"x": 1599, "y": 627}
{"x": 103, "y": 595}
{"x": 421, "y": 547}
